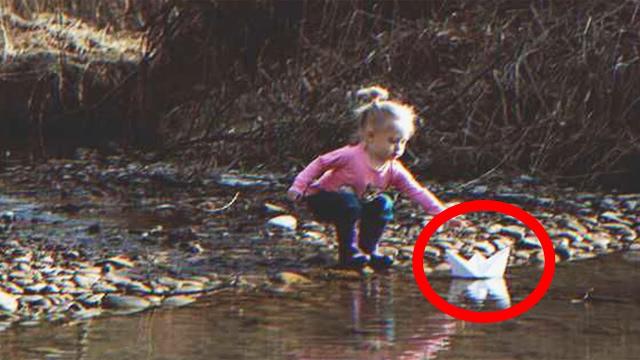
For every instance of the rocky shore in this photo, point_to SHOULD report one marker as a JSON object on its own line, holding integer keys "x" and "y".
{"x": 96, "y": 234}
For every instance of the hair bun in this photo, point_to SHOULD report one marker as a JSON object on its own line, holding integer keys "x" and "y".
{"x": 372, "y": 93}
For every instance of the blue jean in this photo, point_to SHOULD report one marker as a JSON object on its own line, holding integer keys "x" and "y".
{"x": 345, "y": 210}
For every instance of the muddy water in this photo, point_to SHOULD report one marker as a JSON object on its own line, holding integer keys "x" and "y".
{"x": 382, "y": 317}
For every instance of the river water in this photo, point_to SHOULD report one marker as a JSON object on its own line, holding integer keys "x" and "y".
{"x": 381, "y": 317}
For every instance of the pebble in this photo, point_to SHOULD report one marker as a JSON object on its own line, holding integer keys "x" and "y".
{"x": 430, "y": 252}
{"x": 313, "y": 226}
{"x": 13, "y": 288}
{"x": 528, "y": 243}
{"x": 612, "y": 217}
{"x": 188, "y": 289}
{"x": 444, "y": 267}
{"x": 86, "y": 281}
{"x": 515, "y": 198}
{"x": 274, "y": 209}
{"x": 91, "y": 300}
{"x": 571, "y": 236}
{"x": 388, "y": 251}
{"x": 584, "y": 256}
{"x": 291, "y": 278}
{"x": 631, "y": 205}
{"x": 102, "y": 287}
{"x": 583, "y": 246}
{"x": 118, "y": 261}
{"x": 8, "y": 302}
{"x": 287, "y": 222}
{"x": 314, "y": 238}
{"x": 115, "y": 301}
{"x": 515, "y": 232}
{"x": 537, "y": 257}
{"x": 8, "y": 217}
{"x": 169, "y": 282}
{"x": 627, "y": 233}
{"x": 237, "y": 181}
{"x": 155, "y": 300}
{"x": 544, "y": 202}
{"x": 601, "y": 245}
{"x": 138, "y": 287}
{"x": 501, "y": 243}
{"x": 479, "y": 190}
{"x": 564, "y": 252}
{"x": 178, "y": 301}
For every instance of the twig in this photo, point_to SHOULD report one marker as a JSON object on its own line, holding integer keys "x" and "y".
{"x": 228, "y": 205}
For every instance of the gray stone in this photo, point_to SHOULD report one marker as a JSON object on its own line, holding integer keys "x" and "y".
{"x": 528, "y": 243}
{"x": 115, "y": 301}
{"x": 565, "y": 252}
{"x": 87, "y": 280}
{"x": 178, "y": 301}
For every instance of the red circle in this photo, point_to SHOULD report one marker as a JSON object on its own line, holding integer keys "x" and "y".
{"x": 484, "y": 316}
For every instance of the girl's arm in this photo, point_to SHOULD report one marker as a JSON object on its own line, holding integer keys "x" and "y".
{"x": 404, "y": 181}
{"x": 317, "y": 167}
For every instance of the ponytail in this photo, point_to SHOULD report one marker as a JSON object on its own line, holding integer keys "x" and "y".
{"x": 373, "y": 109}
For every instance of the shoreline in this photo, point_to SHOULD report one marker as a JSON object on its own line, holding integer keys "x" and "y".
{"x": 110, "y": 233}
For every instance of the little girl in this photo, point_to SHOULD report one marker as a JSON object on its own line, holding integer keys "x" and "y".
{"x": 344, "y": 187}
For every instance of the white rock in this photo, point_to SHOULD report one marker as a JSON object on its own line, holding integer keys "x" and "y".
{"x": 241, "y": 181}
{"x": 8, "y": 216}
{"x": 274, "y": 209}
{"x": 8, "y": 302}
{"x": 284, "y": 221}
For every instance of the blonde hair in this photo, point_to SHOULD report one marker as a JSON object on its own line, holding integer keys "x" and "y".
{"x": 375, "y": 112}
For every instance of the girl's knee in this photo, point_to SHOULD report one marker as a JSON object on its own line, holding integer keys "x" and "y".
{"x": 350, "y": 206}
{"x": 335, "y": 207}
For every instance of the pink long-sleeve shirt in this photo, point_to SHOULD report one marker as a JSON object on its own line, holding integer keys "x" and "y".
{"x": 350, "y": 165}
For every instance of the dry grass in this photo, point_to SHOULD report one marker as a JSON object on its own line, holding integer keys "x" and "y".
{"x": 59, "y": 76}
{"x": 49, "y": 34}
{"x": 545, "y": 87}
{"x": 548, "y": 88}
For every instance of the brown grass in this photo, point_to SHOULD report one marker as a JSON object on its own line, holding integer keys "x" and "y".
{"x": 544, "y": 87}
{"x": 548, "y": 88}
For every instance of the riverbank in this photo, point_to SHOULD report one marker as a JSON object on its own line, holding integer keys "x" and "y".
{"x": 111, "y": 232}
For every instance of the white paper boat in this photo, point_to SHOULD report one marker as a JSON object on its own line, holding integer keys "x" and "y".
{"x": 478, "y": 267}
{"x": 479, "y": 291}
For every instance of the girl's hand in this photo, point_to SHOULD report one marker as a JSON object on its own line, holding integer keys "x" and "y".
{"x": 294, "y": 196}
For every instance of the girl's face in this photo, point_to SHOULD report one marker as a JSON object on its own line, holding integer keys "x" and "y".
{"x": 388, "y": 143}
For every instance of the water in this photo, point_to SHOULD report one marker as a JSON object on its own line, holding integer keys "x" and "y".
{"x": 383, "y": 317}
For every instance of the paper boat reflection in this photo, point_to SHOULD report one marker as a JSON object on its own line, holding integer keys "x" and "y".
{"x": 478, "y": 267}
{"x": 480, "y": 290}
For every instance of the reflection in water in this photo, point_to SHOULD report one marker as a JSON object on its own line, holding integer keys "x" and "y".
{"x": 478, "y": 291}
{"x": 372, "y": 300}
{"x": 434, "y": 339}
{"x": 377, "y": 333}
{"x": 83, "y": 340}
{"x": 379, "y": 318}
